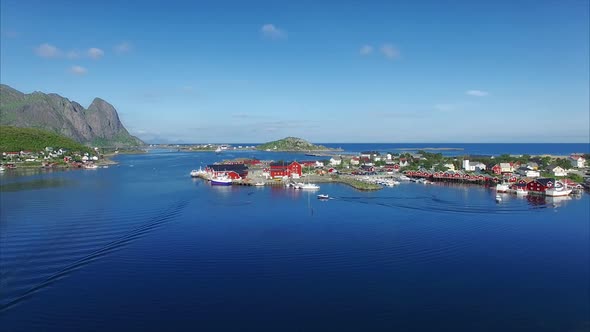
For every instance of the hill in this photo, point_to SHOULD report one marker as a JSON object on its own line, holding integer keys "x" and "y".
{"x": 291, "y": 144}
{"x": 13, "y": 139}
{"x": 98, "y": 125}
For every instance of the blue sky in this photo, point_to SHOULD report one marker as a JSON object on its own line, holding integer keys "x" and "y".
{"x": 430, "y": 71}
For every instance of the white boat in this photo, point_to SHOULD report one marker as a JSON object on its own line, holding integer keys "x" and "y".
{"x": 404, "y": 178}
{"x": 90, "y": 166}
{"x": 194, "y": 173}
{"x": 502, "y": 187}
{"x": 558, "y": 190}
{"x": 309, "y": 186}
{"x": 498, "y": 198}
{"x": 521, "y": 192}
{"x": 218, "y": 150}
{"x": 259, "y": 184}
{"x": 2, "y": 169}
{"x": 323, "y": 196}
{"x": 220, "y": 181}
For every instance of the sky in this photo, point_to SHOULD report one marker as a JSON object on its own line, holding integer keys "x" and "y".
{"x": 336, "y": 71}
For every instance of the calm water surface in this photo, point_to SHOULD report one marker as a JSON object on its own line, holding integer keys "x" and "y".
{"x": 141, "y": 246}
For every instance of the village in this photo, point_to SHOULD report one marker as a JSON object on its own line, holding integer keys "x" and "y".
{"x": 371, "y": 170}
{"x": 51, "y": 157}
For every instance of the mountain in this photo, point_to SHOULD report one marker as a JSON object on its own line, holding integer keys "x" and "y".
{"x": 99, "y": 125}
{"x": 291, "y": 144}
{"x": 31, "y": 139}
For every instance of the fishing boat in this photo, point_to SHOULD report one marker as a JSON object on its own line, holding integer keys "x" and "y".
{"x": 221, "y": 181}
{"x": 498, "y": 198}
{"x": 323, "y": 196}
{"x": 259, "y": 184}
{"x": 560, "y": 189}
{"x": 502, "y": 187}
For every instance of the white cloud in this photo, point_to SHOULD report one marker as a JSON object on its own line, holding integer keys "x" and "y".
{"x": 47, "y": 51}
{"x": 78, "y": 70}
{"x": 366, "y": 50}
{"x": 95, "y": 53}
{"x": 123, "y": 47}
{"x": 477, "y": 93}
{"x": 389, "y": 51}
{"x": 73, "y": 54}
{"x": 271, "y": 31}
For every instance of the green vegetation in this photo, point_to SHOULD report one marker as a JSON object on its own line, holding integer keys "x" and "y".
{"x": 575, "y": 177}
{"x": 357, "y": 184}
{"x": 291, "y": 144}
{"x": 29, "y": 139}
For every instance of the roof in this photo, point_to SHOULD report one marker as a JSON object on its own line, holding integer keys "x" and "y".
{"x": 228, "y": 167}
{"x": 282, "y": 163}
{"x": 545, "y": 181}
{"x": 371, "y": 152}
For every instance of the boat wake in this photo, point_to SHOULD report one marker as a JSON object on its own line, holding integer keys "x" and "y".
{"x": 157, "y": 221}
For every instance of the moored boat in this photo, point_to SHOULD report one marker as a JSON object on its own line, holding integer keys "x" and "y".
{"x": 502, "y": 187}
{"x": 558, "y": 190}
{"x": 221, "y": 181}
{"x": 259, "y": 184}
{"x": 309, "y": 186}
{"x": 498, "y": 198}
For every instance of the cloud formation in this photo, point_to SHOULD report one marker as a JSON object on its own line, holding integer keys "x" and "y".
{"x": 47, "y": 51}
{"x": 477, "y": 93}
{"x": 366, "y": 50}
{"x": 272, "y": 32}
{"x": 123, "y": 47}
{"x": 95, "y": 53}
{"x": 389, "y": 51}
{"x": 78, "y": 70}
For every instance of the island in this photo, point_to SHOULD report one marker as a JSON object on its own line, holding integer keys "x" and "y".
{"x": 292, "y": 144}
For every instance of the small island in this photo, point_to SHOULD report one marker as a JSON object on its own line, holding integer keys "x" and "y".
{"x": 292, "y": 144}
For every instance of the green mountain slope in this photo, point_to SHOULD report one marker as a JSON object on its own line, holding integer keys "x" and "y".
{"x": 13, "y": 139}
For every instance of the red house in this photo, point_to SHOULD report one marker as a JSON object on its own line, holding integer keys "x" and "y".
{"x": 281, "y": 169}
{"x": 540, "y": 184}
{"x": 497, "y": 169}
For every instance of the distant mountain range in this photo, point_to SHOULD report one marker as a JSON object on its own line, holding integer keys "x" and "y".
{"x": 98, "y": 125}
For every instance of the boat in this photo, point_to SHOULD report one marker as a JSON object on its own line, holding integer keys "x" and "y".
{"x": 502, "y": 187}
{"x": 194, "y": 173}
{"x": 90, "y": 166}
{"x": 2, "y": 169}
{"x": 404, "y": 178}
{"x": 218, "y": 150}
{"x": 259, "y": 184}
{"x": 558, "y": 190}
{"x": 221, "y": 181}
{"x": 323, "y": 196}
{"x": 309, "y": 186}
{"x": 498, "y": 198}
{"x": 521, "y": 192}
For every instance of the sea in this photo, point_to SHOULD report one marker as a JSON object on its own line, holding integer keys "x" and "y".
{"x": 141, "y": 246}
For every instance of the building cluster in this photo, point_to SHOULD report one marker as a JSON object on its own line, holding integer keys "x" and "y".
{"x": 48, "y": 157}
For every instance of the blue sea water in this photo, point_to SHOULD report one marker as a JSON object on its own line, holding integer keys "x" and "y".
{"x": 141, "y": 246}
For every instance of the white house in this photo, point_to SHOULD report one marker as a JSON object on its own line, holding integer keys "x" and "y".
{"x": 388, "y": 156}
{"x": 403, "y": 162}
{"x": 335, "y": 161}
{"x": 577, "y": 161}
{"x": 473, "y": 165}
{"x": 355, "y": 161}
{"x": 557, "y": 170}
{"x": 450, "y": 166}
{"x": 506, "y": 168}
